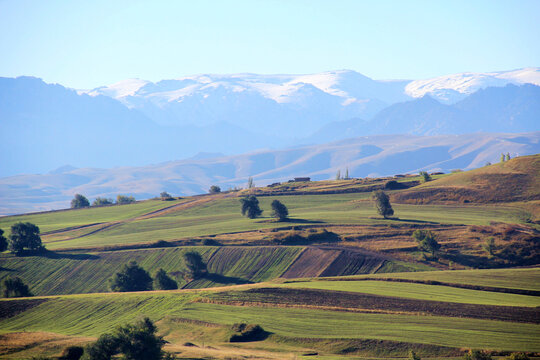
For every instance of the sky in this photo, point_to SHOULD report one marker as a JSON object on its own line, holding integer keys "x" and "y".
{"x": 86, "y": 44}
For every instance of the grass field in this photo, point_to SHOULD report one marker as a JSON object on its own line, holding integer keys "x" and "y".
{"x": 90, "y": 315}
{"x": 87, "y": 273}
{"x": 223, "y": 216}
{"x": 422, "y": 292}
{"x": 525, "y": 278}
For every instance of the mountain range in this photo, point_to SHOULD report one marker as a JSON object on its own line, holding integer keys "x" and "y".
{"x": 364, "y": 156}
{"x": 136, "y": 122}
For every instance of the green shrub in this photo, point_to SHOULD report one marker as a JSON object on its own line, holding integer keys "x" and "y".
{"x": 131, "y": 278}
{"x": 247, "y": 332}
{"x": 14, "y": 287}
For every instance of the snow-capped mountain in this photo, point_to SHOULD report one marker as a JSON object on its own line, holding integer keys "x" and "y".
{"x": 450, "y": 89}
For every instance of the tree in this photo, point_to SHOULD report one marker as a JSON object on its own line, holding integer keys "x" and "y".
{"x": 135, "y": 341}
{"x": 489, "y": 246}
{"x": 72, "y": 353}
{"x": 24, "y": 236}
{"x": 122, "y": 199}
{"x": 195, "y": 265}
{"x": 382, "y": 203}
{"x": 99, "y": 201}
{"x": 279, "y": 210}
{"x": 250, "y": 207}
{"x": 427, "y": 241}
{"x": 250, "y": 183}
{"x": 347, "y": 173}
{"x": 425, "y": 176}
{"x": 165, "y": 196}
{"x": 131, "y": 278}
{"x": 3, "y": 241}
{"x": 79, "y": 201}
{"x": 15, "y": 287}
{"x": 503, "y": 158}
{"x": 214, "y": 189}
{"x": 338, "y": 175}
{"x": 163, "y": 282}
{"x": 507, "y": 156}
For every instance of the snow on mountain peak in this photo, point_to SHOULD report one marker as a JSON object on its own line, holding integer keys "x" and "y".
{"x": 451, "y": 88}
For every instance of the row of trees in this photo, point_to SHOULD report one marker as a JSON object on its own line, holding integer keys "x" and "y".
{"x": 81, "y": 201}
{"x": 132, "y": 277}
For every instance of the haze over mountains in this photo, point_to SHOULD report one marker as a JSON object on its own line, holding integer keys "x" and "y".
{"x": 137, "y": 122}
{"x": 364, "y": 156}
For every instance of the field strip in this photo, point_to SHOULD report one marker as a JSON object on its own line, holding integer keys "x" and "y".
{"x": 281, "y": 297}
{"x": 440, "y": 283}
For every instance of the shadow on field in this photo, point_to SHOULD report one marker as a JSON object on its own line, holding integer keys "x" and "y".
{"x": 55, "y": 255}
{"x": 413, "y": 221}
{"x": 222, "y": 279}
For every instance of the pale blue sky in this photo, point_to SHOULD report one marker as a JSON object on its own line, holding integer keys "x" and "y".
{"x": 84, "y": 44}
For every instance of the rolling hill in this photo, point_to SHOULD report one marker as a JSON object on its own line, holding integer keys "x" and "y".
{"x": 363, "y": 157}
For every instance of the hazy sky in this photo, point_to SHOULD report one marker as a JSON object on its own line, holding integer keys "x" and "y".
{"x": 84, "y": 44}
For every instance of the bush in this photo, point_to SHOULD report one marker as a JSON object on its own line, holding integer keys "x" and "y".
{"x": 382, "y": 203}
{"x": 279, "y": 211}
{"x": 14, "y": 287}
{"x": 164, "y": 282}
{"x": 195, "y": 265}
{"x": 131, "y": 278}
{"x": 214, "y": 189}
{"x": 99, "y": 201}
{"x": 413, "y": 356}
{"x": 79, "y": 201}
{"x": 518, "y": 356}
{"x": 3, "y": 241}
{"x": 24, "y": 236}
{"x": 296, "y": 238}
{"x": 250, "y": 207}
{"x": 477, "y": 355}
{"x": 121, "y": 199}
{"x": 211, "y": 242}
{"x": 72, "y": 353}
{"x": 393, "y": 185}
{"x": 247, "y": 332}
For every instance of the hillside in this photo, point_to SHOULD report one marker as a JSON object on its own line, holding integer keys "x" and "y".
{"x": 372, "y": 156}
{"x": 327, "y": 318}
{"x": 510, "y": 181}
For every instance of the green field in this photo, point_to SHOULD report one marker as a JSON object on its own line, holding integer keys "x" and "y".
{"x": 88, "y": 273}
{"x": 524, "y": 278}
{"x": 223, "y": 216}
{"x": 422, "y": 292}
{"x": 91, "y": 315}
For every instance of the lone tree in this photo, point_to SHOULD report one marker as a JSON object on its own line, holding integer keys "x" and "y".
{"x": 135, "y": 341}
{"x": 413, "y": 356}
{"x": 382, "y": 203}
{"x": 250, "y": 207}
{"x": 14, "y": 287}
{"x": 79, "y": 201}
{"x": 279, "y": 210}
{"x": 214, "y": 189}
{"x": 131, "y": 277}
{"x": 165, "y": 196}
{"x": 489, "y": 246}
{"x": 427, "y": 241}
{"x": 163, "y": 282}
{"x": 99, "y": 201}
{"x": 24, "y": 236}
{"x": 196, "y": 268}
{"x": 250, "y": 183}
{"x": 3, "y": 241}
{"x": 425, "y": 176}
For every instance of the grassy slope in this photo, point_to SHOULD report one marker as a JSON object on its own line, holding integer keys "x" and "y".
{"x": 526, "y": 278}
{"x": 222, "y": 216}
{"x": 422, "y": 292}
{"x": 89, "y": 273}
{"x": 90, "y": 315}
